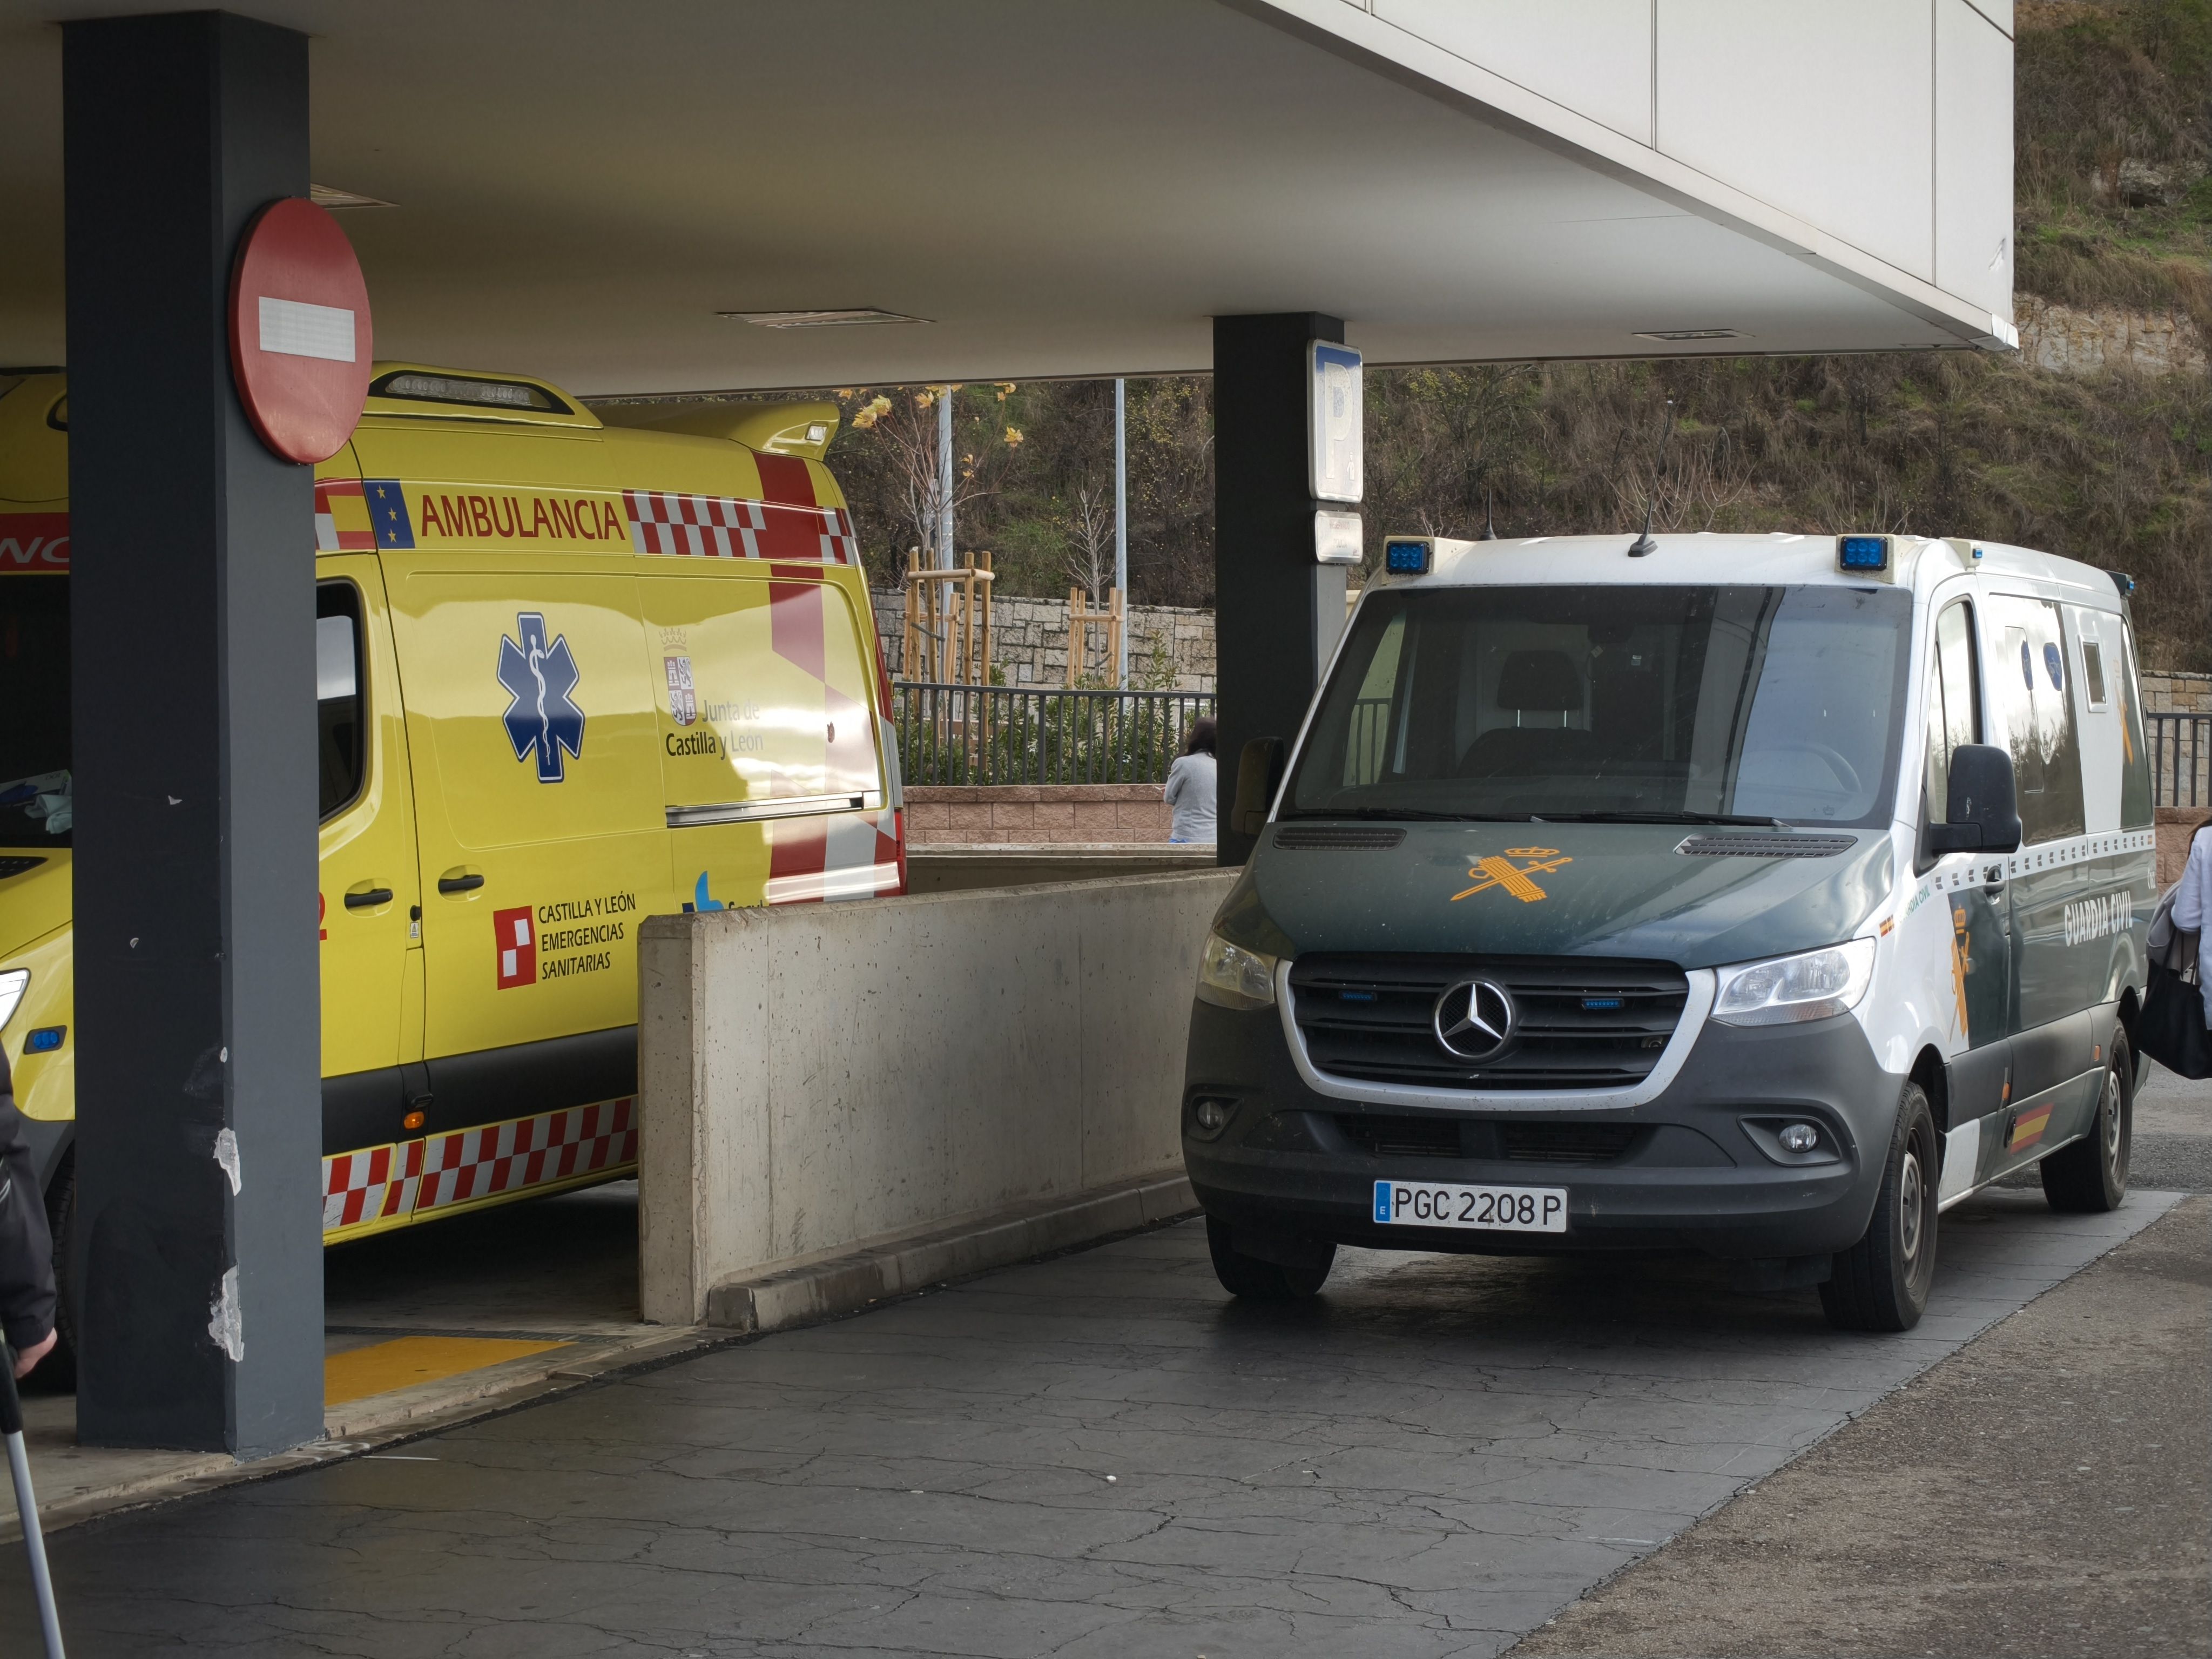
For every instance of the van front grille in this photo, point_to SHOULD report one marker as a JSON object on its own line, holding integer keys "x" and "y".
{"x": 1514, "y": 1141}
{"x": 1565, "y": 1143}
{"x": 1581, "y": 1022}
{"x": 1402, "y": 1137}
{"x": 15, "y": 866}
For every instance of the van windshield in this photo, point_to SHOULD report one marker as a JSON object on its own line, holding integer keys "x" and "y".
{"x": 1688, "y": 704}
{"x": 35, "y": 711}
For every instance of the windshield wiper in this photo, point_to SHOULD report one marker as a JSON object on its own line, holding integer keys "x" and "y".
{"x": 1755, "y": 822}
{"x": 1415, "y": 812}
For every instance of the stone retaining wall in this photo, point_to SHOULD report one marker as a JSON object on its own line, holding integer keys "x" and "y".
{"x": 2170, "y": 691}
{"x": 1171, "y": 647}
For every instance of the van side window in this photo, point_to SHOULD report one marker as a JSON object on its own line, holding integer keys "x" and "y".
{"x": 1366, "y": 746}
{"x": 341, "y": 724}
{"x": 1954, "y": 707}
{"x": 2029, "y": 678}
{"x": 2092, "y": 673}
{"x": 2137, "y": 809}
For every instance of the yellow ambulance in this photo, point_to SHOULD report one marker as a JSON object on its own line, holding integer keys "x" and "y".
{"x": 569, "y": 675}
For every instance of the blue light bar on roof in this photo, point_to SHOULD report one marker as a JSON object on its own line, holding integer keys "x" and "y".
{"x": 1862, "y": 553}
{"x": 1405, "y": 558}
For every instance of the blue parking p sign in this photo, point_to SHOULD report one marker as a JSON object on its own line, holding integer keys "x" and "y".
{"x": 1333, "y": 419}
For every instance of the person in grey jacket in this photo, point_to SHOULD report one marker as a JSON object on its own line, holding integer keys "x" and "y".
{"x": 1189, "y": 794}
{"x": 27, "y": 1249}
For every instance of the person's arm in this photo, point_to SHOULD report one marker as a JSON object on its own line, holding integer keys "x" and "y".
{"x": 1178, "y": 775}
{"x": 27, "y": 1249}
{"x": 2192, "y": 896}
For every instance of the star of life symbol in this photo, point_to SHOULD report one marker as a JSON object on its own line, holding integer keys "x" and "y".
{"x": 541, "y": 679}
{"x": 1498, "y": 870}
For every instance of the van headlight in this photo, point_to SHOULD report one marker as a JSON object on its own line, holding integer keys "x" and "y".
{"x": 13, "y": 984}
{"x": 1783, "y": 990}
{"x": 1230, "y": 976}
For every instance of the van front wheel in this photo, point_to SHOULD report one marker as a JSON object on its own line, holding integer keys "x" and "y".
{"x": 1257, "y": 1280}
{"x": 1882, "y": 1283}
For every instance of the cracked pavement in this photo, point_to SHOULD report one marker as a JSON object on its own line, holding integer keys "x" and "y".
{"x": 1097, "y": 1455}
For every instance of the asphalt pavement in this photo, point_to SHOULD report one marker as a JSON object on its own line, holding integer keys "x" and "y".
{"x": 2046, "y": 1490}
{"x": 1091, "y": 1456}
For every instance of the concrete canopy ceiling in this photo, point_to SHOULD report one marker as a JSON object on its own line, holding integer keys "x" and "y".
{"x": 1060, "y": 188}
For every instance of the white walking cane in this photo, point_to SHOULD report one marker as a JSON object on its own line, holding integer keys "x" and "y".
{"x": 27, "y": 1503}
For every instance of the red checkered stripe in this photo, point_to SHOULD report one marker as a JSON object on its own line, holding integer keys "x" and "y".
{"x": 329, "y": 538}
{"x": 371, "y": 1186}
{"x": 530, "y": 1152}
{"x": 724, "y": 527}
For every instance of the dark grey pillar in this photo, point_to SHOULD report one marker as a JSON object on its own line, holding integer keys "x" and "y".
{"x": 1276, "y": 612}
{"x": 194, "y": 676}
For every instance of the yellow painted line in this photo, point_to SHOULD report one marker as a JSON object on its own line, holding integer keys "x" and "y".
{"x": 405, "y": 1361}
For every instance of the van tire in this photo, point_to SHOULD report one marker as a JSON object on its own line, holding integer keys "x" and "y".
{"x": 2090, "y": 1177}
{"x": 1254, "y": 1280}
{"x": 57, "y": 1372}
{"x": 1882, "y": 1283}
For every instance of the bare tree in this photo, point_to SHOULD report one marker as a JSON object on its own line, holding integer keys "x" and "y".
{"x": 1089, "y": 561}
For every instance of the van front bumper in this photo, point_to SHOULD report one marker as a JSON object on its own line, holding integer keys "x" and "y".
{"x": 1696, "y": 1172}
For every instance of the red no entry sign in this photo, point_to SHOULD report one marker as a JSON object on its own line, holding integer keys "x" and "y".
{"x": 300, "y": 337}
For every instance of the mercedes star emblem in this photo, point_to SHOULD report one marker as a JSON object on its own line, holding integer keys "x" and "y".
{"x": 1474, "y": 1019}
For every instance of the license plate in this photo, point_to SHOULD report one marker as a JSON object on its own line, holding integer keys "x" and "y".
{"x": 1483, "y": 1209}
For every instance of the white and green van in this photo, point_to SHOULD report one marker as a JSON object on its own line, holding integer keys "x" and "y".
{"x": 1757, "y": 896}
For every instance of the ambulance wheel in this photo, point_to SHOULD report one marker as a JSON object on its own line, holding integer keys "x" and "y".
{"x": 1249, "y": 1277}
{"x": 57, "y": 1372}
{"x": 2091, "y": 1176}
{"x": 1882, "y": 1283}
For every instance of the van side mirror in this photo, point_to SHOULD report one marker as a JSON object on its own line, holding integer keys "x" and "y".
{"x": 1984, "y": 809}
{"x": 1259, "y": 770}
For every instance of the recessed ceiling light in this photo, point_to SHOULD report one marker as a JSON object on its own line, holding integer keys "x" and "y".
{"x": 1689, "y": 334}
{"x": 819, "y": 319}
{"x": 328, "y": 196}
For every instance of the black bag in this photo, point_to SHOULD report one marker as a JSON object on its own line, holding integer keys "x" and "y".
{"x": 2172, "y": 1028}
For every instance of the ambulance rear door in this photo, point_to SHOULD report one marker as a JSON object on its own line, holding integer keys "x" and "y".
{"x": 773, "y": 780}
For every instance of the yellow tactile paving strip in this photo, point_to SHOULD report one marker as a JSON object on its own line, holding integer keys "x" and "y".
{"x": 405, "y": 1361}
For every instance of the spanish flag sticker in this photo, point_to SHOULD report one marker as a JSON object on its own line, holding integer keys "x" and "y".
{"x": 2027, "y": 1129}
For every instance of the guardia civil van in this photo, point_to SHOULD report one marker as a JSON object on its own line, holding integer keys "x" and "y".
{"x": 1762, "y": 897}
{"x": 569, "y": 675}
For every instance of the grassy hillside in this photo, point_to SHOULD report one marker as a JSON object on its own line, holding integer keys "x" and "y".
{"x": 2114, "y": 130}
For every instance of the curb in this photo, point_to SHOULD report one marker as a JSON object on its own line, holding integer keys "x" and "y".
{"x": 846, "y": 1283}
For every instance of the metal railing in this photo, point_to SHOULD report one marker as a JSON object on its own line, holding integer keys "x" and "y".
{"x": 994, "y": 734}
{"x": 2181, "y": 758}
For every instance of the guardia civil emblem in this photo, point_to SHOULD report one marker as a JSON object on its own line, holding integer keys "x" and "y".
{"x": 1515, "y": 876}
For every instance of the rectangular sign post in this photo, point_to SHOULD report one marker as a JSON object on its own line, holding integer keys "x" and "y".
{"x": 1278, "y": 609}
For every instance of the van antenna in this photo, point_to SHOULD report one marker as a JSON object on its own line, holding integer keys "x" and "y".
{"x": 1644, "y": 546}
{"x": 1489, "y": 516}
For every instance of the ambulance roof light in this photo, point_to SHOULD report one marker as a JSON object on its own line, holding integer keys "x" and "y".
{"x": 418, "y": 387}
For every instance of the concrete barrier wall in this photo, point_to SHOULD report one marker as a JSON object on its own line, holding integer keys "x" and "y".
{"x": 816, "y": 1079}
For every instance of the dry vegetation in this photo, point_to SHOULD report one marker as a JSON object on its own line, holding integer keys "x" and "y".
{"x": 2114, "y": 129}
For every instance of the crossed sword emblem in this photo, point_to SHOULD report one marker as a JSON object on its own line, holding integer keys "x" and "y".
{"x": 1497, "y": 871}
